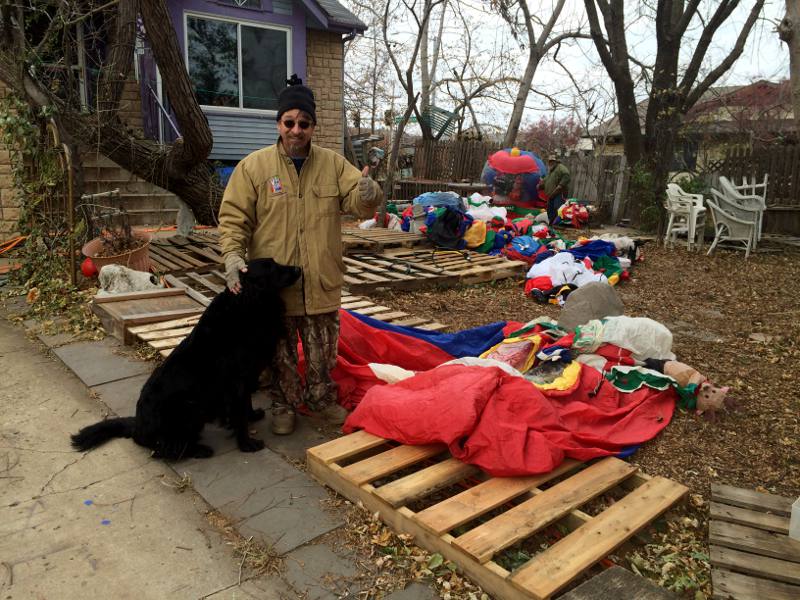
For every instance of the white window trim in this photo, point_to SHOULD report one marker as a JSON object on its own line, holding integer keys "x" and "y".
{"x": 230, "y": 110}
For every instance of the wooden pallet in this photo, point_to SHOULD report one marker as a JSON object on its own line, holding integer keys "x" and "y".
{"x": 417, "y": 269}
{"x": 377, "y": 240}
{"x": 352, "y": 465}
{"x": 752, "y": 556}
{"x": 165, "y": 336}
{"x": 178, "y": 254}
{"x": 122, "y": 312}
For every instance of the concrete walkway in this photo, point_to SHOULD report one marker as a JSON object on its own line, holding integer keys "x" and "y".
{"x": 110, "y": 523}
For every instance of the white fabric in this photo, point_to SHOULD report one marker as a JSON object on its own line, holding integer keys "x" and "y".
{"x": 644, "y": 337}
{"x": 487, "y": 213}
{"x": 622, "y": 243}
{"x": 564, "y": 268}
{"x": 390, "y": 373}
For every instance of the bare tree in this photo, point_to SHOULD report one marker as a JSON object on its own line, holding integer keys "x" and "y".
{"x": 538, "y": 46}
{"x": 673, "y": 89}
{"x": 41, "y": 43}
{"x": 789, "y": 32}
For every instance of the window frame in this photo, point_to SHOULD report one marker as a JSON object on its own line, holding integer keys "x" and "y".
{"x": 239, "y": 110}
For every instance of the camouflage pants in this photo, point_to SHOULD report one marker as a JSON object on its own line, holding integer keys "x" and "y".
{"x": 319, "y": 335}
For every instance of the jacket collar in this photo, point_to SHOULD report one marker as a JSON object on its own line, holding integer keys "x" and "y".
{"x": 286, "y": 157}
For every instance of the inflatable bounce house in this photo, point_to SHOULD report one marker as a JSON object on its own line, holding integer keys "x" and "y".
{"x": 512, "y": 176}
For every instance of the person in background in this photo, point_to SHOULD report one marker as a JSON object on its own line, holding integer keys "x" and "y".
{"x": 555, "y": 186}
{"x": 285, "y": 202}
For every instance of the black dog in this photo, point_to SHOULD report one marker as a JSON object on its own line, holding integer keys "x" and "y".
{"x": 211, "y": 375}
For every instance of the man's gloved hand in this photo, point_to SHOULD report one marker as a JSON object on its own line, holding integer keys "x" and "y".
{"x": 233, "y": 264}
{"x": 366, "y": 187}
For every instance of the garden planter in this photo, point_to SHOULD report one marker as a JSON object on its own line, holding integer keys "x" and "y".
{"x": 138, "y": 259}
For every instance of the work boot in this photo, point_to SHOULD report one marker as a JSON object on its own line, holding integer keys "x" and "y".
{"x": 333, "y": 413}
{"x": 283, "y": 420}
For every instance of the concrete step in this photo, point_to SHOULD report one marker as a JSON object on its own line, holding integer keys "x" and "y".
{"x": 132, "y": 185}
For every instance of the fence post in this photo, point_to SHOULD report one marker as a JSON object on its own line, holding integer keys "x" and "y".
{"x": 615, "y": 207}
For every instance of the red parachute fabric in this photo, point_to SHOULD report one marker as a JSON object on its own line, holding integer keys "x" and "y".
{"x": 360, "y": 344}
{"x": 505, "y": 425}
{"x": 504, "y": 162}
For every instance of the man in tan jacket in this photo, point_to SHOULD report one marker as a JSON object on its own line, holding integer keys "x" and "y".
{"x": 285, "y": 202}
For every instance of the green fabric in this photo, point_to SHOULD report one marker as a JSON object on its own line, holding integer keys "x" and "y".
{"x": 608, "y": 264}
{"x": 558, "y": 176}
{"x": 545, "y": 322}
{"x": 488, "y": 243}
{"x": 630, "y": 379}
{"x": 391, "y": 208}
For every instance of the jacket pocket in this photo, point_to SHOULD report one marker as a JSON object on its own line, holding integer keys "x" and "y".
{"x": 331, "y": 279}
{"x": 327, "y": 197}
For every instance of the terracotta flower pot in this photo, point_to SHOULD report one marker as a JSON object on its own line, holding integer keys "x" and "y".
{"x": 138, "y": 259}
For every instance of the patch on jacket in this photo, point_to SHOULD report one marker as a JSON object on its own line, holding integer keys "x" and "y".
{"x": 275, "y": 185}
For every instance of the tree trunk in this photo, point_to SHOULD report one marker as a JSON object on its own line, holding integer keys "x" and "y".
{"x": 119, "y": 62}
{"x": 789, "y": 32}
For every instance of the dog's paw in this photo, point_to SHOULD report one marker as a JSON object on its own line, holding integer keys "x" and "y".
{"x": 256, "y": 414}
{"x": 250, "y": 445}
{"x": 203, "y": 451}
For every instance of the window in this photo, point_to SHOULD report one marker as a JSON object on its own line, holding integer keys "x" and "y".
{"x": 236, "y": 65}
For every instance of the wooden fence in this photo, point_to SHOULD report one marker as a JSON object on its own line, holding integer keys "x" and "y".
{"x": 781, "y": 163}
{"x": 455, "y": 161}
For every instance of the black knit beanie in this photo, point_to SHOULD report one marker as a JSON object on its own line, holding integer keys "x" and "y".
{"x": 297, "y": 96}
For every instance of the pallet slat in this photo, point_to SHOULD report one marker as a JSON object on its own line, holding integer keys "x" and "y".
{"x": 551, "y": 570}
{"x": 345, "y": 447}
{"x": 389, "y": 462}
{"x": 425, "y": 482}
{"x": 752, "y": 518}
{"x": 753, "y": 540}
{"x": 752, "y": 564}
{"x": 729, "y": 585}
{"x": 751, "y": 499}
{"x": 543, "y": 509}
{"x": 474, "y": 502}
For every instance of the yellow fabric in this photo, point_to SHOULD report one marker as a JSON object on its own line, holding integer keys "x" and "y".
{"x": 476, "y": 234}
{"x": 268, "y": 211}
{"x": 568, "y": 378}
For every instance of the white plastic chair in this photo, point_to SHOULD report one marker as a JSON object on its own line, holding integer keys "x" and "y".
{"x": 732, "y": 223}
{"x": 751, "y": 202}
{"x": 686, "y": 215}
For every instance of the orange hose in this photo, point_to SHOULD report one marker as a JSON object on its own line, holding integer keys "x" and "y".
{"x": 9, "y": 244}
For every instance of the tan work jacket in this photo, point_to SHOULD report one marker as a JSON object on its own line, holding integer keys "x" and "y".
{"x": 268, "y": 211}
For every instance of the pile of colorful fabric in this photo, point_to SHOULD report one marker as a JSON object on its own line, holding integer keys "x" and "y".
{"x": 553, "y": 276}
{"x": 528, "y": 396}
{"x": 573, "y": 213}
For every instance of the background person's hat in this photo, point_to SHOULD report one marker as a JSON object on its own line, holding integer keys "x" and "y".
{"x": 552, "y": 157}
{"x": 297, "y": 96}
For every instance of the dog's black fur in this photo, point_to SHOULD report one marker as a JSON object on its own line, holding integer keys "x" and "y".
{"x": 212, "y": 373}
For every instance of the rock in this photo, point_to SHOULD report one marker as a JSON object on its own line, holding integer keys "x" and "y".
{"x": 594, "y": 300}
{"x": 116, "y": 279}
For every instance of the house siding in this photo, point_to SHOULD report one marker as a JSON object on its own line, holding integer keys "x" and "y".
{"x": 324, "y": 60}
{"x": 235, "y": 136}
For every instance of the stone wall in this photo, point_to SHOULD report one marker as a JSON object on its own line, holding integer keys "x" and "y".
{"x": 324, "y": 66}
{"x": 130, "y": 104}
{"x": 9, "y": 203}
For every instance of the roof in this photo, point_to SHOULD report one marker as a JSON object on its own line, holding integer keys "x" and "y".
{"x": 760, "y": 97}
{"x": 333, "y": 16}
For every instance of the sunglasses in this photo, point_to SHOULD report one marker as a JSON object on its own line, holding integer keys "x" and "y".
{"x": 289, "y": 124}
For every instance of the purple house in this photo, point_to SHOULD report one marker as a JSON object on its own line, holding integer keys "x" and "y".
{"x": 239, "y": 54}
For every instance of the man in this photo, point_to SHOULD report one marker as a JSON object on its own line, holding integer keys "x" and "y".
{"x": 285, "y": 202}
{"x": 556, "y": 186}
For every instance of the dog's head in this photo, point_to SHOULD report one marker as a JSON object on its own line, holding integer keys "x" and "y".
{"x": 266, "y": 273}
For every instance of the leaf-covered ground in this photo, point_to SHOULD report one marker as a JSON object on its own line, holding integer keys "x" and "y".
{"x": 736, "y": 321}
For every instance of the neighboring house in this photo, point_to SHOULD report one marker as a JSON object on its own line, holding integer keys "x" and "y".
{"x": 743, "y": 116}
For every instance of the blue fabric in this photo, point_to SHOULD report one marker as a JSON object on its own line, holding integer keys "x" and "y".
{"x": 626, "y": 452}
{"x": 468, "y": 342}
{"x": 543, "y": 256}
{"x": 594, "y": 250}
{"x": 525, "y": 245}
{"x": 448, "y": 199}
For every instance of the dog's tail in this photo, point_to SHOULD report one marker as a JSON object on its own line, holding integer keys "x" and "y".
{"x": 101, "y": 432}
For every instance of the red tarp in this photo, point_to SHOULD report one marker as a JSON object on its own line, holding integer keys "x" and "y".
{"x": 505, "y": 425}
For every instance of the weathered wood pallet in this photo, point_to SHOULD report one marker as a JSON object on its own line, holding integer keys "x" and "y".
{"x": 165, "y": 336}
{"x": 122, "y": 312}
{"x": 377, "y": 240}
{"x": 417, "y": 269}
{"x": 178, "y": 254}
{"x": 360, "y": 466}
{"x": 752, "y": 556}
